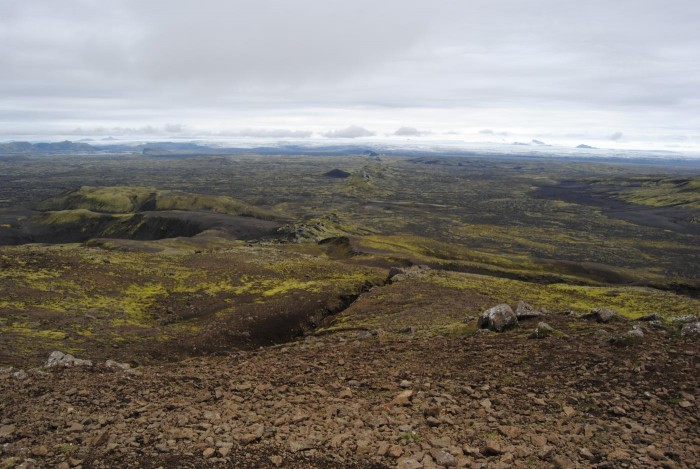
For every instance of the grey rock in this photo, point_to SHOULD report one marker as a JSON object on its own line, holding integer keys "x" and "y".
{"x": 21, "y": 374}
{"x": 543, "y": 330}
{"x": 691, "y": 329}
{"x": 602, "y": 315}
{"x": 397, "y": 274}
{"x": 686, "y": 319}
{"x": 526, "y": 311}
{"x": 443, "y": 458}
{"x": 122, "y": 366}
{"x": 499, "y": 318}
{"x": 656, "y": 325}
{"x": 65, "y": 359}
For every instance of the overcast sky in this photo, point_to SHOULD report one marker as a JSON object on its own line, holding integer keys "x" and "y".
{"x": 622, "y": 71}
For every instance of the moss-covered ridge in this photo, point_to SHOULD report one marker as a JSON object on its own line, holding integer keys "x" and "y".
{"x": 127, "y": 199}
{"x": 662, "y": 192}
{"x": 136, "y": 305}
{"x": 137, "y": 213}
{"x": 448, "y": 303}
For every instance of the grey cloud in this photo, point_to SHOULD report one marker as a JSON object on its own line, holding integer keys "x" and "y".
{"x": 120, "y": 131}
{"x": 174, "y": 128}
{"x": 266, "y": 133}
{"x": 410, "y": 132}
{"x": 491, "y": 132}
{"x": 353, "y": 131}
{"x": 556, "y": 65}
{"x": 615, "y": 136}
{"x": 169, "y": 129}
{"x": 310, "y": 41}
{"x": 674, "y": 138}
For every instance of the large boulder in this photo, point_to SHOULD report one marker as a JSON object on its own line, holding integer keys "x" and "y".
{"x": 57, "y": 359}
{"x": 601, "y": 315}
{"x": 499, "y": 318}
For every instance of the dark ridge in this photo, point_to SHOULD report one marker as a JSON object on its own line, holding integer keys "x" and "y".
{"x": 337, "y": 173}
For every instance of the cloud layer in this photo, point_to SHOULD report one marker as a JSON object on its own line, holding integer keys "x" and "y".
{"x": 548, "y": 67}
{"x": 353, "y": 131}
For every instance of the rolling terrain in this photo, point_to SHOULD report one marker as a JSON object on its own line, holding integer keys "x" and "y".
{"x": 326, "y": 311}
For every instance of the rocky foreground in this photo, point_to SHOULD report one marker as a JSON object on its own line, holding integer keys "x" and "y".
{"x": 372, "y": 399}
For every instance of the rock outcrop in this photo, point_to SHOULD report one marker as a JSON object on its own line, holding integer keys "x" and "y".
{"x": 601, "y": 315}
{"x": 691, "y": 329}
{"x": 526, "y": 311}
{"x": 498, "y": 319}
{"x": 58, "y": 359}
{"x": 397, "y": 274}
{"x": 543, "y": 330}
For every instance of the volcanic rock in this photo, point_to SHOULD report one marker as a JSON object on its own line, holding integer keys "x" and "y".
{"x": 601, "y": 315}
{"x": 691, "y": 329}
{"x": 65, "y": 359}
{"x": 526, "y": 311}
{"x": 397, "y": 274}
{"x": 543, "y": 330}
{"x": 498, "y": 319}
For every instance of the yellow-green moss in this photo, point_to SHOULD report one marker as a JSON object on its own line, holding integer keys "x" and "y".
{"x": 128, "y": 199}
{"x": 664, "y": 192}
{"x": 632, "y": 302}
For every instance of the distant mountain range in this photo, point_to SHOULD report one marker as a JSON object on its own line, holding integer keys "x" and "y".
{"x": 188, "y": 149}
{"x": 169, "y": 149}
{"x": 26, "y": 148}
{"x": 68, "y": 147}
